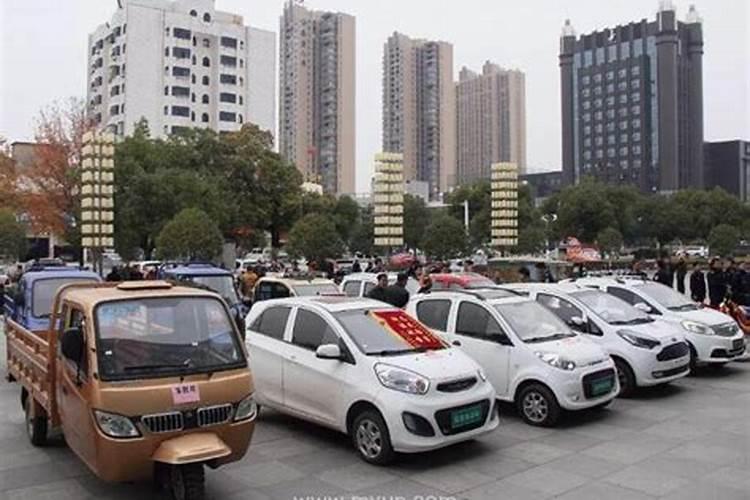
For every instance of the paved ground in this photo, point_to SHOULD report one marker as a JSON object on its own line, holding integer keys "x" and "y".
{"x": 687, "y": 441}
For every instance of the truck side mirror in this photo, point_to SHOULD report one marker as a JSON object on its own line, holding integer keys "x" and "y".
{"x": 72, "y": 344}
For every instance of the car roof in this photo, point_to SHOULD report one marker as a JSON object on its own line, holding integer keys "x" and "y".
{"x": 298, "y": 281}
{"x": 370, "y": 276}
{"x": 488, "y": 295}
{"x": 567, "y": 287}
{"x": 57, "y": 273}
{"x": 106, "y": 292}
{"x": 196, "y": 270}
{"x": 331, "y": 304}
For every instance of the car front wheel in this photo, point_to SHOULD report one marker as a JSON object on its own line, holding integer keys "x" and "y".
{"x": 371, "y": 438}
{"x": 625, "y": 377}
{"x": 538, "y": 406}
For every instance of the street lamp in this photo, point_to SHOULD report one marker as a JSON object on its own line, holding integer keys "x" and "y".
{"x": 547, "y": 218}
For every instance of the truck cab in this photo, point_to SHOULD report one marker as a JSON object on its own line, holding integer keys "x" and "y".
{"x": 30, "y": 302}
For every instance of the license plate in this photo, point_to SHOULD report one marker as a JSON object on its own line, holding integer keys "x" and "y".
{"x": 466, "y": 416}
{"x": 738, "y": 344}
{"x": 602, "y": 386}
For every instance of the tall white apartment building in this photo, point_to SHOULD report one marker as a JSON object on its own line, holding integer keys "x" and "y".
{"x": 180, "y": 64}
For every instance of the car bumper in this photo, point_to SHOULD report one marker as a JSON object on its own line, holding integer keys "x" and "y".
{"x": 650, "y": 371}
{"x": 394, "y": 405}
{"x": 571, "y": 391}
{"x": 715, "y": 349}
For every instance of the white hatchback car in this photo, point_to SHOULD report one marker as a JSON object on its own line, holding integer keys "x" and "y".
{"x": 531, "y": 357}
{"x": 714, "y": 337}
{"x": 368, "y": 370}
{"x": 646, "y": 351}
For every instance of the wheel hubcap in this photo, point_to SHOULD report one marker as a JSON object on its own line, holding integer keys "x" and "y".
{"x": 535, "y": 407}
{"x": 369, "y": 439}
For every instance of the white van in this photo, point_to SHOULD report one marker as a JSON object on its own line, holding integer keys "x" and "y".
{"x": 531, "y": 357}
{"x": 646, "y": 351}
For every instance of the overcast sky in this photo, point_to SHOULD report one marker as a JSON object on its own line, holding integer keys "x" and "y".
{"x": 43, "y": 55}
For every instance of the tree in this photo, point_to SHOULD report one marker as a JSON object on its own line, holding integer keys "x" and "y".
{"x": 583, "y": 210}
{"x": 314, "y": 237}
{"x": 610, "y": 241}
{"x": 346, "y": 217}
{"x": 192, "y": 234}
{"x": 9, "y": 192}
{"x": 723, "y": 239}
{"x": 12, "y": 235}
{"x": 416, "y": 219}
{"x": 531, "y": 240}
{"x": 444, "y": 238}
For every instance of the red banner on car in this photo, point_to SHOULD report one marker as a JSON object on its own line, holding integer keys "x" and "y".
{"x": 409, "y": 329}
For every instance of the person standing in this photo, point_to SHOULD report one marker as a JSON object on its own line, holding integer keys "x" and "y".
{"x": 698, "y": 284}
{"x": 378, "y": 293}
{"x": 742, "y": 285}
{"x": 664, "y": 273}
{"x": 425, "y": 283}
{"x": 717, "y": 283}
{"x": 681, "y": 272}
{"x": 397, "y": 295}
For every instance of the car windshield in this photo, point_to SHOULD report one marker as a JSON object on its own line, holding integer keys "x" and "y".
{"x": 314, "y": 290}
{"x": 43, "y": 293}
{"x": 611, "y": 309}
{"x": 163, "y": 336}
{"x": 387, "y": 333}
{"x": 221, "y": 284}
{"x": 667, "y": 297}
{"x": 533, "y": 323}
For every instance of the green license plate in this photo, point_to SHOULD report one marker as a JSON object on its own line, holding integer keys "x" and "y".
{"x": 600, "y": 387}
{"x": 467, "y": 416}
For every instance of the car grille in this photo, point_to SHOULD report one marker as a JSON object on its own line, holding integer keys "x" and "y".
{"x": 591, "y": 378}
{"x": 163, "y": 422}
{"x": 727, "y": 330}
{"x": 443, "y": 418}
{"x": 673, "y": 351}
{"x": 738, "y": 344}
{"x": 457, "y": 385}
{"x": 214, "y": 415}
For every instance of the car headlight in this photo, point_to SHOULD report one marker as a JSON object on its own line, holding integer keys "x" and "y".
{"x": 402, "y": 380}
{"x": 246, "y": 409}
{"x": 481, "y": 375}
{"x": 556, "y": 360}
{"x": 116, "y": 426}
{"x": 699, "y": 328}
{"x": 638, "y": 339}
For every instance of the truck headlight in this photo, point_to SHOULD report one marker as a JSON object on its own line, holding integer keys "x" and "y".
{"x": 638, "y": 340}
{"x": 556, "y": 360}
{"x": 246, "y": 409}
{"x": 116, "y": 426}
{"x": 400, "y": 379}
{"x": 699, "y": 328}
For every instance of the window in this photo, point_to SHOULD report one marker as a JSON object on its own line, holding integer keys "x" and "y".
{"x": 240, "y": 99}
{"x": 271, "y": 290}
{"x": 181, "y": 33}
{"x": 597, "y": 78}
{"x": 227, "y": 97}
{"x": 229, "y": 42}
{"x": 272, "y": 322}
{"x": 181, "y": 53}
{"x": 311, "y": 331}
{"x": 205, "y": 80}
{"x": 228, "y": 61}
{"x": 228, "y": 79}
{"x": 476, "y": 321}
{"x": 635, "y": 71}
{"x": 192, "y": 78}
{"x": 585, "y": 80}
{"x": 610, "y": 75}
{"x": 194, "y": 61}
{"x": 239, "y": 119}
{"x": 180, "y": 91}
{"x": 204, "y": 118}
{"x": 561, "y": 308}
{"x": 192, "y": 116}
{"x": 207, "y": 17}
{"x": 76, "y": 319}
{"x": 194, "y": 13}
{"x": 204, "y": 99}
{"x": 178, "y": 71}
{"x": 351, "y": 288}
{"x": 192, "y": 97}
{"x": 434, "y": 313}
{"x": 166, "y": 110}
{"x": 166, "y": 90}
{"x": 227, "y": 117}
{"x": 206, "y": 62}
{"x": 206, "y": 42}
{"x": 610, "y": 88}
{"x": 166, "y": 52}
{"x": 180, "y": 111}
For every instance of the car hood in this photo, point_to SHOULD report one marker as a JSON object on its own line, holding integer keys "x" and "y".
{"x": 578, "y": 349}
{"x": 660, "y": 330}
{"x": 706, "y": 316}
{"x": 445, "y": 364}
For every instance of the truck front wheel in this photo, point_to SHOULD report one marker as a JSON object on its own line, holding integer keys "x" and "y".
{"x": 187, "y": 482}
{"x": 36, "y": 422}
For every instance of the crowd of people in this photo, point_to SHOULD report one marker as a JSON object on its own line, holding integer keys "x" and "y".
{"x": 723, "y": 279}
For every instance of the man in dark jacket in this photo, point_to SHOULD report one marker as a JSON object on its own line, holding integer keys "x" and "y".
{"x": 742, "y": 285}
{"x": 397, "y": 295}
{"x": 717, "y": 283}
{"x": 698, "y": 284}
{"x": 680, "y": 273}
{"x": 378, "y": 293}
{"x": 664, "y": 274}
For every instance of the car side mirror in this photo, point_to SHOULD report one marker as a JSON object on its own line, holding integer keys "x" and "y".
{"x": 578, "y": 321}
{"x": 72, "y": 344}
{"x": 643, "y": 307}
{"x": 329, "y": 351}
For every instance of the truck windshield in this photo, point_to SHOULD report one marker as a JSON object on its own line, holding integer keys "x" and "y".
{"x": 43, "y": 293}
{"x": 157, "y": 337}
{"x": 222, "y": 284}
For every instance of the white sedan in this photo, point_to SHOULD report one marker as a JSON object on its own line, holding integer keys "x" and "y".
{"x": 368, "y": 370}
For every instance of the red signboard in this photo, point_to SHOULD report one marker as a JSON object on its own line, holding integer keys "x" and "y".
{"x": 409, "y": 329}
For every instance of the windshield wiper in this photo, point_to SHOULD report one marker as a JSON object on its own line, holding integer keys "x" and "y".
{"x": 634, "y": 321}
{"x": 187, "y": 364}
{"x": 683, "y": 307}
{"x": 549, "y": 338}
{"x": 396, "y": 352}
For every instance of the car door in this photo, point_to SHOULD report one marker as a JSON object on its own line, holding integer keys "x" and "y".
{"x": 480, "y": 335}
{"x": 74, "y": 390}
{"x": 267, "y": 351}
{"x": 312, "y": 386}
{"x": 434, "y": 313}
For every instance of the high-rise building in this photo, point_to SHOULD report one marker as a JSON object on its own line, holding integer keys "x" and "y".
{"x": 317, "y": 95}
{"x": 419, "y": 109}
{"x": 632, "y": 103}
{"x": 491, "y": 121}
{"x": 728, "y": 164}
{"x": 180, "y": 64}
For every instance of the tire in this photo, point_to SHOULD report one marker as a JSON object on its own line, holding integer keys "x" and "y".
{"x": 36, "y": 425}
{"x": 187, "y": 482}
{"x": 626, "y": 378}
{"x": 693, "y": 360}
{"x": 371, "y": 438}
{"x": 538, "y": 406}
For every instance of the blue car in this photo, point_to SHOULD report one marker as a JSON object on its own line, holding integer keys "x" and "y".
{"x": 30, "y": 304}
